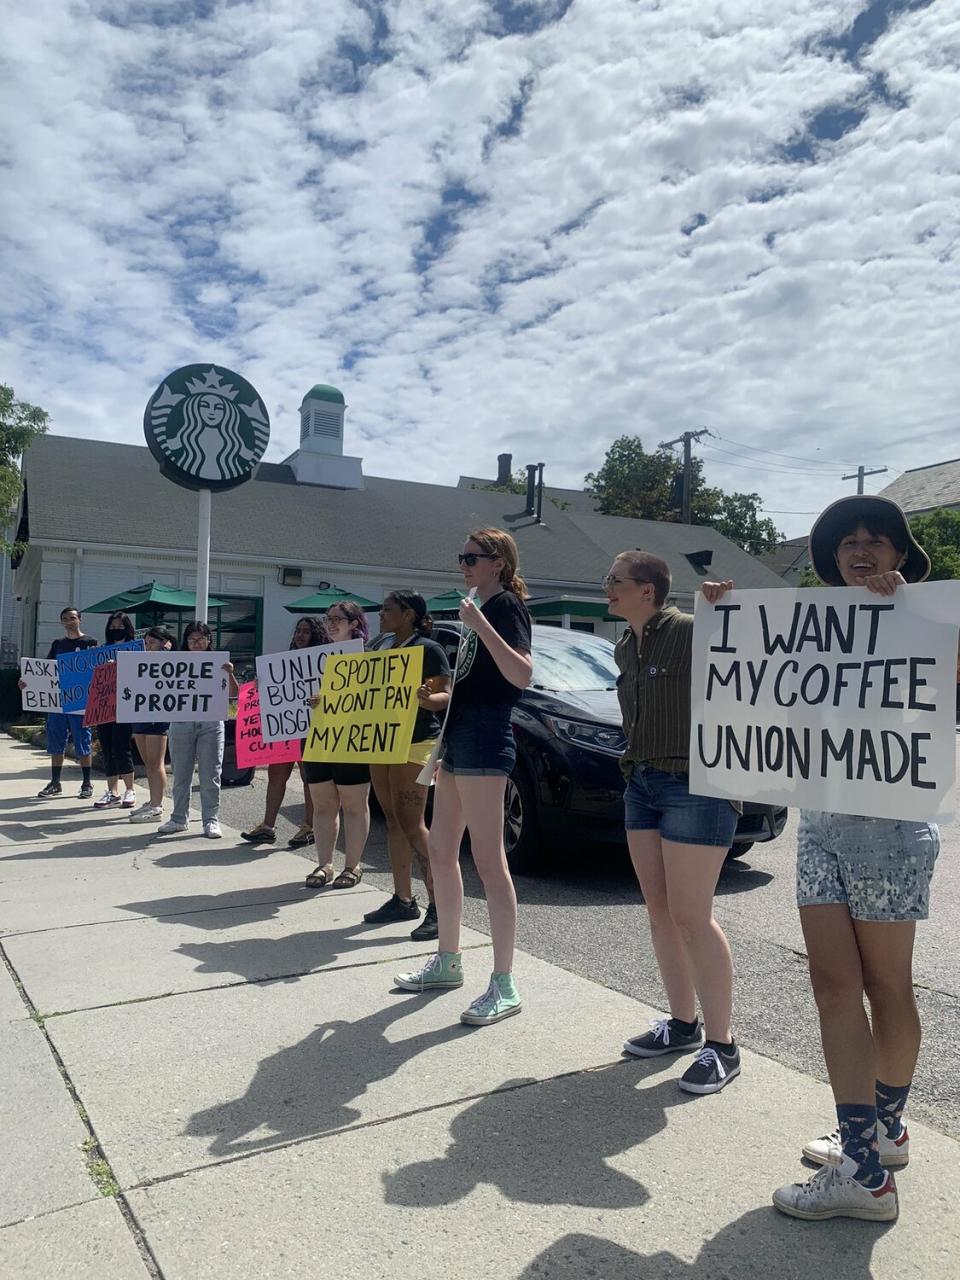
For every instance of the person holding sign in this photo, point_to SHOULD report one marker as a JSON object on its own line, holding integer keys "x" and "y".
{"x": 197, "y": 744}
{"x": 404, "y": 619}
{"x": 116, "y": 740}
{"x": 308, "y": 633}
{"x": 478, "y": 755}
{"x": 339, "y": 786}
{"x": 151, "y": 741}
{"x": 60, "y": 725}
{"x": 678, "y": 842}
{"x": 862, "y": 885}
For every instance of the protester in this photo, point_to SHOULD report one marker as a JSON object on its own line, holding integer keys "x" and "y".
{"x": 404, "y": 617}
{"x": 60, "y": 725}
{"x": 862, "y": 884}
{"x": 339, "y": 786}
{"x": 116, "y": 740}
{"x": 197, "y": 743}
{"x": 151, "y": 741}
{"x": 308, "y": 633}
{"x": 479, "y": 753}
{"x": 678, "y": 842}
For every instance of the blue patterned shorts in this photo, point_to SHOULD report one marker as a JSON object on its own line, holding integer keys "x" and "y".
{"x": 880, "y": 867}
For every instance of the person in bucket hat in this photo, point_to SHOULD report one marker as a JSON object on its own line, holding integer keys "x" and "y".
{"x": 881, "y": 518}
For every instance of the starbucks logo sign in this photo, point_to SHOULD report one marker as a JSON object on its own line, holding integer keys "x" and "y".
{"x": 207, "y": 427}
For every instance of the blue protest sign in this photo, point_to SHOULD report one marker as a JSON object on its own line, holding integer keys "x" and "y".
{"x": 76, "y": 671}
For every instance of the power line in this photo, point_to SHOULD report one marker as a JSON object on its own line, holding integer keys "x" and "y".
{"x": 774, "y": 454}
{"x": 771, "y": 467}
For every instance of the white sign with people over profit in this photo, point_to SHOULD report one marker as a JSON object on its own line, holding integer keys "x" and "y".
{"x": 285, "y": 681}
{"x": 172, "y": 686}
{"x": 833, "y": 699}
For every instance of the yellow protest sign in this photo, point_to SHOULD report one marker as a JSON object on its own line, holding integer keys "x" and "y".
{"x": 367, "y": 708}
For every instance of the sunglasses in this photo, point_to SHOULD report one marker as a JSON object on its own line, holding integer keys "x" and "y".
{"x": 471, "y": 558}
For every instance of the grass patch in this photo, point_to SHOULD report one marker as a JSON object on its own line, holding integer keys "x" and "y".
{"x": 98, "y": 1169}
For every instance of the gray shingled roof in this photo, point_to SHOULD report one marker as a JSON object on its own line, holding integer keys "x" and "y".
{"x": 927, "y": 488}
{"x": 788, "y": 560}
{"x": 90, "y": 491}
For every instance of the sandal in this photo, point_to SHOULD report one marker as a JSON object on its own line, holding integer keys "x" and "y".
{"x": 348, "y": 878}
{"x": 319, "y": 877}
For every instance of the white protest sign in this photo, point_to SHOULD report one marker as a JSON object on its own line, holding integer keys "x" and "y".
{"x": 171, "y": 686}
{"x": 41, "y": 685}
{"x": 834, "y": 699}
{"x": 285, "y": 681}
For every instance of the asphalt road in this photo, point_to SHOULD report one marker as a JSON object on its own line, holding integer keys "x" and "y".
{"x": 587, "y": 916}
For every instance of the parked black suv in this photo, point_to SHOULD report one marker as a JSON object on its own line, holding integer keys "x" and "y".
{"x": 567, "y": 782}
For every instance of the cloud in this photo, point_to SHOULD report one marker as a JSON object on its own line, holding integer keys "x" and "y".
{"x": 503, "y": 224}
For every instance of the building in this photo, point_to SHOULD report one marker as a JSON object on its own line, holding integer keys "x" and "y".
{"x": 98, "y": 518}
{"x": 929, "y": 488}
{"x": 789, "y": 561}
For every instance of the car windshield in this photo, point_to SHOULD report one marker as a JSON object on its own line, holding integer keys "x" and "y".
{"x": 577, "y": 662}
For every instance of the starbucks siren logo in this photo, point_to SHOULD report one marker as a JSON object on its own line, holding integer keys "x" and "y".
{"x": 207, "y": 427}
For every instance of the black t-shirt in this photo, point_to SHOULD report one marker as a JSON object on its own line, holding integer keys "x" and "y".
{"x": 435, "y": 663}
{"x": 479, "y": 679}
{"x": 70, "y": 644}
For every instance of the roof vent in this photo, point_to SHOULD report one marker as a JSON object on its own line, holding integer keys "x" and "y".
{"x": 701, "y": 560}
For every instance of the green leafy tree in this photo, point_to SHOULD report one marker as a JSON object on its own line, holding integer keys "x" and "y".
{"x": 516, "y": 484}
{"x": 20, "y": 424}
{"x": 938, "y": 532}
{"x": 648, "y": 486}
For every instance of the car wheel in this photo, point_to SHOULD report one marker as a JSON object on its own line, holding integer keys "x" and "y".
{"x": 521, "y": 827}
{"x": 738, "y": 850}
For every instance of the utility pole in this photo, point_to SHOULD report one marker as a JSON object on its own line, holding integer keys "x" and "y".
{"x": 685, "y": 439}
{"x": 861, "y": 473}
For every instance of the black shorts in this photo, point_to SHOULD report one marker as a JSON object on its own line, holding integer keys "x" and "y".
{"x": 344, "y": 775}
{"x": 155, "y": 730}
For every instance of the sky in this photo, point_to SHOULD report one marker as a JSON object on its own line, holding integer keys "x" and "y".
{"x": 529, "y": 226}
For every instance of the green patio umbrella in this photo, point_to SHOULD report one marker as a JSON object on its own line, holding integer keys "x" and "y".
{"x": 322, "y": 600}
{"x": 448, "y": 602}
{"x": 152, "y": 595}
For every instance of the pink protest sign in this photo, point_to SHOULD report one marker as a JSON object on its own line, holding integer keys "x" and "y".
{"x": 252, "y": 751}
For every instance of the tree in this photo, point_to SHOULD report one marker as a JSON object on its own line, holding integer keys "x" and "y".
{"x": 648, "y": 486}
{"x": 938, "y": 532}
{"x": 20, "y": 424}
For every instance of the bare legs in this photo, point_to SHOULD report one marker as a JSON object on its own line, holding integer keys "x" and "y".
{"x": 277, "y": 777}
{"x": 847, "y": 959}
{"x": 403, "y": 801}
{"x": 328, "y": 799}
{"x": 475, "y": 803}
{"x": 678, "y": 883}
{"x": 153, "y": 749}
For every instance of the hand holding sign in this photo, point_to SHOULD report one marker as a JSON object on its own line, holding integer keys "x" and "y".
{"x": 367, "y": 708}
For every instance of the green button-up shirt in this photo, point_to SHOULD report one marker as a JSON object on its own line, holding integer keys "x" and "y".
{"x": 654, "y": 692}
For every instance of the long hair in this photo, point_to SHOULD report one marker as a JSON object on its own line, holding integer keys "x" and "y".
{"x": 413, "y": 600}
{"x": 499, "y": 543}
{"x": 124, "y": 624}
{"x": 192, "y": 628}
{"x": 163, "y": 635}
{"x": 318, "y": 632}
{"x": 356, "y": 617}
{"x": 227, "y": 459}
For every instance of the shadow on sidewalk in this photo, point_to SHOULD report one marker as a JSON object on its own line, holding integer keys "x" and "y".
{"x": 304, "y": 1091}
{"x": 760, "y": 1243}
{"x": 212, "y": 910}
{"x": 548, "y": 1142}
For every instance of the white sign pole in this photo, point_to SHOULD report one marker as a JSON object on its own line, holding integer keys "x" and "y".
{"x": 203, "y": 555}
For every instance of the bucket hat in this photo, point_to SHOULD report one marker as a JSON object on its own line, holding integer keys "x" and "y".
{"x": 826, "y": 534}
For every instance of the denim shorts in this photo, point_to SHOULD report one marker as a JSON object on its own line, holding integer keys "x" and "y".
{"x": 880, "y": 868}
{"x": 59, "y": 726}
{"x": 658, "y": 801}
{"x": 479, "y": 742}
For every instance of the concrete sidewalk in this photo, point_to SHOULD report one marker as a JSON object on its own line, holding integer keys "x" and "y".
{"x": 221, "y": 1053}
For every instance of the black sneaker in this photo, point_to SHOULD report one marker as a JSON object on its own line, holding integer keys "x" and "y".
{"x": 711, "y": 1071}
{"x": 86, "y": 791}
{"x": 393, "y": 909}
{"x": 49, "y": 791}
{"x": 427, "y": 929}
{"x": 663, "y": 1038}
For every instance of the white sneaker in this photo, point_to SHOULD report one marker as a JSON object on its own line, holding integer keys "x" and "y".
{"x": 107, "y": 800}
{"x": 212, "y": 830}
{"x": 170, "y": 826}
{"x": 147, "y": 813}
{"x": 833, "y": 1192}
{"x": 129, "y": 799}
{"x": 894, "y": 1152}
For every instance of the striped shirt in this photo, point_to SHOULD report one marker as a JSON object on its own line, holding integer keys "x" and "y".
{"x": 654, "y": 692}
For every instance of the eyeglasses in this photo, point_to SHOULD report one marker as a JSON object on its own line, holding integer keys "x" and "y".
{"x": 471, "y": 558}
{"x": 336, "y": 617}
{"x": 612, "y": 581}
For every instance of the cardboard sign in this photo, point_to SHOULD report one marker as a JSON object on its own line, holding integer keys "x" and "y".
{"x": 102, "y": 699}
{"x": 41, "y": 692}
{"x": 76, "y": 671}
{"x": 367, "y": 708}
{"x": 252, "y": 751}
{"x": 838, "y": 700}
{"x": 286, "y": 680}
{"x": 171, "y": 686}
